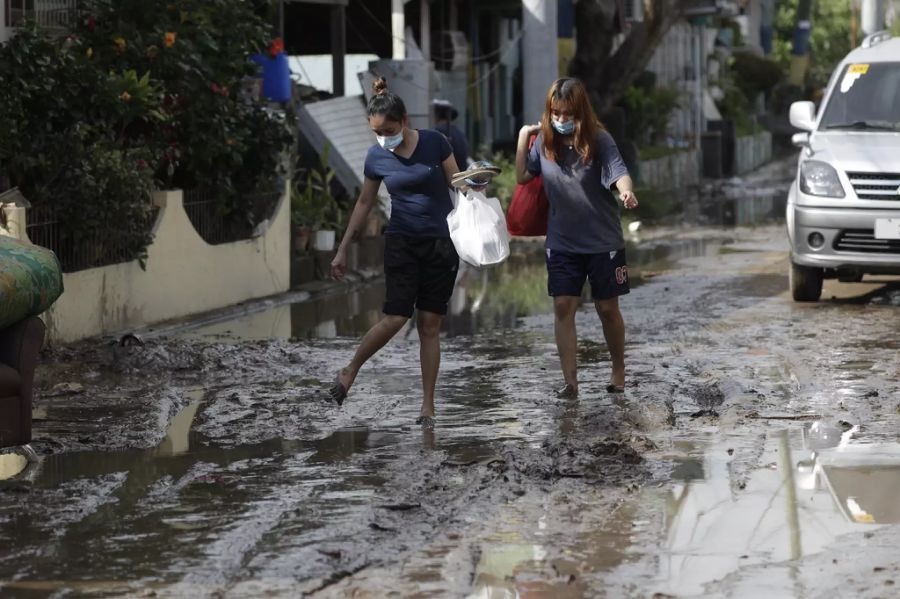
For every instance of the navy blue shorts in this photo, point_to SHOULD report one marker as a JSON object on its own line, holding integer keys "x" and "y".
{"x": 418, "y": 273}
{"x": 607, "y": 272}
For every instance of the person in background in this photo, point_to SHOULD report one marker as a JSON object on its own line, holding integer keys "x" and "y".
{"x": 580, "y": 165}
{"x": 444, "y": 115}
{"x": 420, "y": 262}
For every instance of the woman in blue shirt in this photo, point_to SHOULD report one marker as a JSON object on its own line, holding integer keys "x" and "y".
{"x": 420, "y": 262}
{"x": 580, "y": 166}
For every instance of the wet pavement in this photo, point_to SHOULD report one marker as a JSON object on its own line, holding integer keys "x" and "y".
{"x": 755, "y": 452}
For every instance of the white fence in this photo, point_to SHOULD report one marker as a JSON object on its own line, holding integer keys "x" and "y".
{"x": 675, "y": 171}
{"x": 53, "y": 14}
{"x": 752, "y": 151}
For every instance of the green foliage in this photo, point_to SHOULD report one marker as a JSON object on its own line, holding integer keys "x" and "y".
{"x": 648, "y": 112}
{"x": 503, "y": 185}
{"x": 312, "y": 204}
{"x": 829, "y": 38}
{"x": 754, "y": 74}
{"x": 68, "y": 139}
{"x": 744, "y": 77}
{"x": 164, "y": 85}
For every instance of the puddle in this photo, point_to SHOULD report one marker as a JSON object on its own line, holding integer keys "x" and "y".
{"x": 483, "y": 300}
{"x": 815, "y": 485}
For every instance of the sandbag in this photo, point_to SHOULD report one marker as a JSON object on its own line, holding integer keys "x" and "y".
{"x": 478, "y": 229}
{"x": 30, "y": 280}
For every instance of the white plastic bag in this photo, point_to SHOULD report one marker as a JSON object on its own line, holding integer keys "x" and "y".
{"x": 478, "y": 229}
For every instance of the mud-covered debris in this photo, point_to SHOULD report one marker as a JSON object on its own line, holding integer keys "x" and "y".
{"x": 400, "y": 507}
{"x": 64, "y": 389}
{"x": 708, "y": 396}
{"x": 705, "y": 413}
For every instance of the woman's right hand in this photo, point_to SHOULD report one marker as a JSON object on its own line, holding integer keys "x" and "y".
{"x": 339, "y": 265}
{"x": 528, "y": 130}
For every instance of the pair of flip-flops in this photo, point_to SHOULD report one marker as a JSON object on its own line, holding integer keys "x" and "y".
{"x": 478, "y": 173}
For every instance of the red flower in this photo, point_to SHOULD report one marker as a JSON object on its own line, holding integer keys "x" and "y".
{"x": 142, "y": 164}
{"x": 277, "y": 47}
{"x": 91, "y": 23}
{"x": 215, "y": 88}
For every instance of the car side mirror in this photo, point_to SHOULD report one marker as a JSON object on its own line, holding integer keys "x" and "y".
{"x": 803, "y": 115}
{"x": 801, "y": 140}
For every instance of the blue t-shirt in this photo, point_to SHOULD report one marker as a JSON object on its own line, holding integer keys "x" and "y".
{"x": 420, "y": 198}
{"x": 584, "y": 214}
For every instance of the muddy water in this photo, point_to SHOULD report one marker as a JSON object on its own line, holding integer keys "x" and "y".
{"x": 484, "y": 299}
{"x": 752, "y": 453}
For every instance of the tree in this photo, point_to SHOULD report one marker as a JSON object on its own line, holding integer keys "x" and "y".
{"x": 829, "y": 39}
{"x": 605, "y": 73}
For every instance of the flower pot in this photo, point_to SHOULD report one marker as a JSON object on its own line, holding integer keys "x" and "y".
{"x": 323, "y": 241}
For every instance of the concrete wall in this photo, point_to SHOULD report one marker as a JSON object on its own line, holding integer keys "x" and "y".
{"x": 184, "y": 276}
{"x": 676, "y": 171}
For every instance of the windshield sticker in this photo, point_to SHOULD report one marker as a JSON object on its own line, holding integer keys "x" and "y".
{"x": 854, "y": 72}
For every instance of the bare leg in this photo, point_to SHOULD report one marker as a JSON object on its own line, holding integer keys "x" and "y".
{"x": 564, "y": 308}
{"x": 374, "y": 340}
{"x": 429, "y": 327}
{"x": 614, "y": 332}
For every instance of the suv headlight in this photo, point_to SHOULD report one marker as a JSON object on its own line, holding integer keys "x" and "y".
{"x": 820, "y": 179}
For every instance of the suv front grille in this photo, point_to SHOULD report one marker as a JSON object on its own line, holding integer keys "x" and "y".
{"x": 863, "y": 240}
{"x": 876, "y": 186}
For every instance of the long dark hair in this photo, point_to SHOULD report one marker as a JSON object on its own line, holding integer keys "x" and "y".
{"x": 384, "y": 102}
{"x": 587, "y": 125}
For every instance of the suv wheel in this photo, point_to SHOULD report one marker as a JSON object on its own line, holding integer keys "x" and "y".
{"x": 806, "y": 283}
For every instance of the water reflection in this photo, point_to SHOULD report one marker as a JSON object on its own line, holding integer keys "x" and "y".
{"x": 816, "y": 484}
{"x": 484, "y": 299}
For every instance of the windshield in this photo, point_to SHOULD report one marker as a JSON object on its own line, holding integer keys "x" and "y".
{"x": 865, "y": 97}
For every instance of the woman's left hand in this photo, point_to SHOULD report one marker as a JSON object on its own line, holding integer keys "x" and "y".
{"x": 629, "y": 200}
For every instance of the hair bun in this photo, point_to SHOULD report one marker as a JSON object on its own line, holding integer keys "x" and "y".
{"x": 379, "y": 86}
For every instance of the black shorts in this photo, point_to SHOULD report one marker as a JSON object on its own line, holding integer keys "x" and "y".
{"x": 419, "y": 272}
{"x": 607, "y": 272}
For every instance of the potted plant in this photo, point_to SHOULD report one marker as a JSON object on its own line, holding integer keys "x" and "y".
{"x": 315, "y": 212}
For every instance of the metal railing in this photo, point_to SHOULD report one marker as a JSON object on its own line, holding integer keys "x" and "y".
{"x": 43, "y": 228}
{"x": 49, "y": 14}
{"x": 215, "y": 226}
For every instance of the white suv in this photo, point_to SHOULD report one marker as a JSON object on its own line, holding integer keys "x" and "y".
{"x": 843, "y": 210}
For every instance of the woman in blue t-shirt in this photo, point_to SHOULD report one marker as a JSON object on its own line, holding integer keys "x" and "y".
{"x": 580, "y": 165}
{"x": 420, "y": 262}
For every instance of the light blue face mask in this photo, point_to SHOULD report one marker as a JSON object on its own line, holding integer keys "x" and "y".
{"x": 390, "y": 142}
{"x": 563, "y": 128}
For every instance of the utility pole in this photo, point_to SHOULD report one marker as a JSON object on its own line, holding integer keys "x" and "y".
{"x": 398, "y": 29}
{"x": 854, "y": 24}
{"x": 800, "y": 50}
{"x": 872, "y": 17}
{"x": 539, "y": 55}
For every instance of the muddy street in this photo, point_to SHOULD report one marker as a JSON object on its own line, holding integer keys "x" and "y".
{"x": 755, "y": 452}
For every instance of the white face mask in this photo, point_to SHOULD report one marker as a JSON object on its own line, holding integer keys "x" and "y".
{"x": 390, "y": 142}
